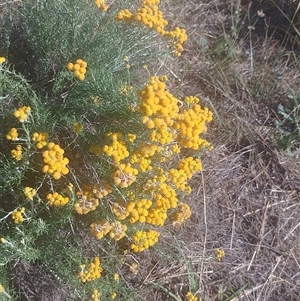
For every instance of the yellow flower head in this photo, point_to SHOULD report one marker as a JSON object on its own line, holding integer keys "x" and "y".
{"x": 93, "y": 272}
{"x": 17, "y": 152}
{"x": 2, "y": 60}
{"x": 220, "y": 253}
{"x": 29, "y": 193}
{"x": 22, "y": 113}
{"x": 191, "y": 297}
{"x": 12, "y": 134}
{"x": 17, "y": 215}
{"x": 77, "y": 127}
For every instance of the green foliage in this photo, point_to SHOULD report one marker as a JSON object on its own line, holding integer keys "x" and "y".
{"x": 66, "y": 141}
{"x": 289, "y": 126}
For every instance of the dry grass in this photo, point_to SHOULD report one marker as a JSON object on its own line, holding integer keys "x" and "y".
{"x": 247, "y": 199}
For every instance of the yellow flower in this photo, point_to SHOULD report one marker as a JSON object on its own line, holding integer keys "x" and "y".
{"x": 40, "y": 138}
{"x": 17, "y": 152}
{"x": 2, "y": 240}
{"x": 17, "y": 216}
{"x": 100, "y": 229}
{"x": 191, "y": 297}
{"x": 144, "y": 239}
{"x": 79, "y": 68}
{"x": 134, "y": 268}
{"x": 219, "y": 254}
{"x": 56, "y": 199}
{"x": 77, "y": 127}
{"x": 2, "y": 60}
{"x": 55, "y": 162}
{"x": 12, "y": 134}
{"x": 101, "y": 4}
{"x": 116, "y": 277}
{"x": 29, "y": 193}
{"x": 93, "y": 272}
{"x": 118, "y": 231}
{"x": 1, "y": 286}
{"x": 113, "y": 295}
{"x": 96, "y": 295}
{"x": 22, "y": 113}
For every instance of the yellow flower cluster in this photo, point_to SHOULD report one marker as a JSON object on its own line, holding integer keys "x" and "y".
{"x": 40, "y": 139}
{"x": 219, "y": 254}
{"x": 144, "y": 239}
{"x": 191, "y": 297}
{"x": 17, "y": 216}
{"x": 119, "y": 209}
{"x": 56, "y": 199}
{"x": 186, "y": 168}
{"x": 22, "y": 113}
{"x": 157, "y": 101}
{"x": 124, "y": 15}
{"x": 95, "y": 295}
{"x": 165, "y": 198}
{"x": 96, "y": 150}
{"x": 55, "y": 163}
{"x": 139, "y": 210}
{"x": 142, "y": 156}
{"x": 93, "y": 272}
{"x": 113, "y": 295}
{"x": 191, "y": 100}
{"x": 159, "y": 108}
{"x": 101, "y": 4}
{"x": 77, "y": 127}
{"x": 178, "y": 36}
{"x": 125, "y": 175}
{"x": 117, "y": 231}
{"x": 161, "y": 115}
{"x": 79, "y": 68}
{"x": 101, "y": 189}
{"x": 12, "y": 134}
{"x": 117, "y": 149}
{"x": 2, "y": 60}
{"x": 150, "y": 15}
{"x": 29, "y": 192}
{"x": 88, "y": 198}
{"x": 131, "y": 137}
{"x": 134, "y": 268}
{"x": 17, "y": 152}
{"x": 125, "y": 89}
{"x": 100, "y": 229}
{"x": 183, "y": 212}
{"x": 86, "y": 203}
{"x": 190, "y": 124}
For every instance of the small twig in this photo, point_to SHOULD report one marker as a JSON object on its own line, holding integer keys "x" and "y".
{"x": 262, "y": 230}
{"x": 205, "y": 232}
{"x": 292, "y": 230}
{"x": 296, "y": 260}
{"x": 266, "y": 207}
{"x": 149, "y": 273}
{"x": 246, "y": 293}
{"x": 272, "y": 272}
{"x": 232, "y": 232}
